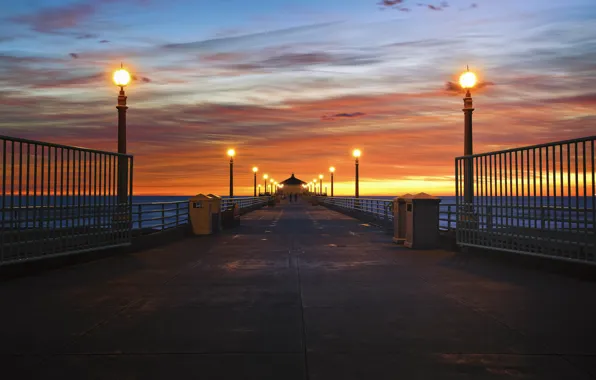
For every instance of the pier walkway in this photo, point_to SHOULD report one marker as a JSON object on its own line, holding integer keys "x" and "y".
{"x": 297, "y": 292}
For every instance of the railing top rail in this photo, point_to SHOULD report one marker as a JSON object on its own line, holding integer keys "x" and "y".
{"x": 362, "y": 199}
{"x": 511, "y": 150}
{"x": 158, "y": 203}
{"x": 53, "y": 145}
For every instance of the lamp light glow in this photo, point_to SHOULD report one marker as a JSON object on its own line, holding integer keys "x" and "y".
{"x": 356, "y": 153}
{"x": 231, "y": 152}
{"x": 121, "y": 77}
{"x": 255, "y": 169}
{"x": 320, "y": 176}
{"x": 467, "y": 80}
{"x": 332, "y": 169}
{"x": 265, "y": 176}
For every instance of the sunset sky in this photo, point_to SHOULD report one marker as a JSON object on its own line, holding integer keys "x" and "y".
{"x": 294, "y": 86}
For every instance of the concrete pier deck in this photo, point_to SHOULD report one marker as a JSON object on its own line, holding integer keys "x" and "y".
{"x": 297, "y": 292}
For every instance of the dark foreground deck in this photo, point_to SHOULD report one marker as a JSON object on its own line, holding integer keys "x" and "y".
{"x": 297, "y": 292}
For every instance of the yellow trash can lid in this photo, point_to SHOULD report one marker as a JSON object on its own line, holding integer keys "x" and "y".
{"x": 200, "y": 201}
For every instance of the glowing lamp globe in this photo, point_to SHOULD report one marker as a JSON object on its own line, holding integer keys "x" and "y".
{"x": 320, "y": 176}
{"x": 467, "y": 80}
{"x": 121, "y": 77}
{"x": 231, "y": 152}
{"x": 356, "y": 153}
{"x": 332, "y": 169}
{"x": 255, "y": 169}
{"x": 265, "y": 176}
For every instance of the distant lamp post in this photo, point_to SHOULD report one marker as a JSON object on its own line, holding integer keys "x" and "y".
{"x": 122, "y": 79}
{"x": 467, "y": 81}
{"x": 265, "y": 176}
{"x": 259, "y": 190}
{"x": 332, "y": 170}
{"x": 231, "y": 153}
{"x": 321, "y": 184}
{"x": 255, "y": 170}
{"x": 271, "y": 185}
{"x": 357, "y": 153}
{"x": 314, "y": 181}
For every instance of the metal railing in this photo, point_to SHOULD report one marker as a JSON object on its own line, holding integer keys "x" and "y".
{"x": 536, "y": 200}
{"x": 382, "y": 210}
{"x": 59, "y": 200}
{"x": 159, "y": 216}
{"x": 243, "y": 202}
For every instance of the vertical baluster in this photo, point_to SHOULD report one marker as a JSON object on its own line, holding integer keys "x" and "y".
{"x": 4, "y": 208}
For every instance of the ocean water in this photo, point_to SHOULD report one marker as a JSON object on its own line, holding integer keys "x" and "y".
{"x": 162, "y": 211}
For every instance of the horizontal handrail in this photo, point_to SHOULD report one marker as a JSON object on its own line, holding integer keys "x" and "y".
{"x": 69, "y": 147}
{"x": 382, "y": 209}
{"x": 530, "y": 147}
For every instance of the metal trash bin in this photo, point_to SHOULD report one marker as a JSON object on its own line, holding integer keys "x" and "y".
{"x": 215, "y": 213}
{"x": 199, "y": 214}
{"x": 416, "y": 220}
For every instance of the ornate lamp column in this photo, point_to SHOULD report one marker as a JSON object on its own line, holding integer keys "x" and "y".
{"x": 231, "y": 153}
{"x": 357, "y": 153}
{"x": 122, "y": 79}
{"x": 255, "y": 170}
{"x": 332, "y": 170}
{"x": 467, "y": 81}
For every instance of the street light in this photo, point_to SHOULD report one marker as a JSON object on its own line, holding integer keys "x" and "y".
{"x": 259, "y": 190}
{"x": 265, "y": 178}
{"x": 122, "y": 79}
{"x": 357, "y": 153}
{"x": 321, "y": 184}
{"x": 271, "y": 185}
{"x": 332, "y": 170}
{"x": 255, "y": 170}
{"x": 314, "y": 185}
{"x": 231, "y": 153}
{"x": 467, "y": 81}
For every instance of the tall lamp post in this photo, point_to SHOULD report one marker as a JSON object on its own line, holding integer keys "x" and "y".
{"x": 314, "y": 186}
{"x": 357, "y": 153}
{"x": 321, "y": 184}
{"x": 332, "y": 170}
{"x": 265, "y": 176}
{"x": 231, "y": 153}
{"x": 467, "y": 80}
{"x": 122, "y": 79}
{"x": 271, "y": 185}
{"x": 255, "y": 170}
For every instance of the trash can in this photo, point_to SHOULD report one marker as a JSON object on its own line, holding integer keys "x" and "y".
{"x": 199, "y": 213}
{"x": 215, "y": 213}
{"x": 399, "y": 218}
{"x": 416, "y": 220}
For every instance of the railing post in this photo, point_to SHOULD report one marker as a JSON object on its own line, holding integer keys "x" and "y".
{"x": 140, "y": 216}
{"x": 489, "y": 217}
